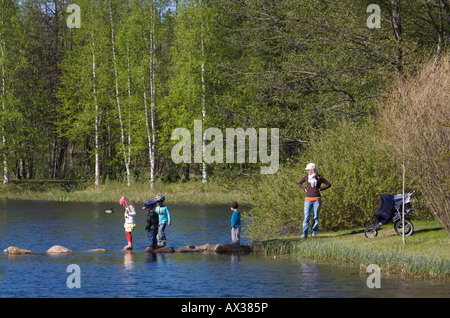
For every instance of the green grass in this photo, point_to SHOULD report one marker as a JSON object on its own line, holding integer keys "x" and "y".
{"x": 425, "y": 255}
{"x": 190, "y": 192}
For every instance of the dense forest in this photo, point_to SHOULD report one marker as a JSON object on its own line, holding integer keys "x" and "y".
{"x": 93, "y": 90}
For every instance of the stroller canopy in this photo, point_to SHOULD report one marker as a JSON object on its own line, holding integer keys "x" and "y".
{"x": 386, "y": 211}
{"x": 389, "y": 203}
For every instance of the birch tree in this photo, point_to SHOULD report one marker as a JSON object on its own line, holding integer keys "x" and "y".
{"x": 202, "y": 39}
{"x": 2, "y": 50}
{"x": 126, "y": 157}
{"x": 94, "y": 93}
{"x": 151, "y": 134}
{"x": 196, "y": 56}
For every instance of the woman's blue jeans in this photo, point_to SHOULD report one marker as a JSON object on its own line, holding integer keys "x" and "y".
{"x": 315, "y": 207}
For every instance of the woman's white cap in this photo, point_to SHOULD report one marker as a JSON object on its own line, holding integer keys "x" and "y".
{"x": 310, "y": 166}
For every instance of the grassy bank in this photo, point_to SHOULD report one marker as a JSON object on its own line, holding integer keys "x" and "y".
{"x": 425, "y": 255}
{"x": 65, "y": 191}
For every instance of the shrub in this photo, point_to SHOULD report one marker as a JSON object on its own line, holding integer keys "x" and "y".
{"x": 352, "y": 158}
{"x": 420, "y": 117}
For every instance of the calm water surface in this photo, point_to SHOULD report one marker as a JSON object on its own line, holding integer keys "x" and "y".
{"x": 38, "y": 225}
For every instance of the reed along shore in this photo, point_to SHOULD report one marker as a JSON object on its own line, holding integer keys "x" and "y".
{"x": 426, "y": 254}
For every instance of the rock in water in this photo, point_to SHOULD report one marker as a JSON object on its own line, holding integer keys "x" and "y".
{"x": 17, "y": 250}
{"x": 232, "y": 249}
{"x": 216, "y": 248}
{"x": 164, "y": 249}
{"x": 97, "y": 250}
{"x": 58, "y": 249}
{"x": 196, "y": 249}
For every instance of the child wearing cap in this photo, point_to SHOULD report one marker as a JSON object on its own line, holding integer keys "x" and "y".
{"x": 152, "y": 223}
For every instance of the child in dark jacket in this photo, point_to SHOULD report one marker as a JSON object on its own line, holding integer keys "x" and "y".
{"x": 152, "y": 223}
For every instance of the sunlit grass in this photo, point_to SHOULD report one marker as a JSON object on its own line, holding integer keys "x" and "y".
{"x": 426, "y": 253}
{"x": 190, "y": 192}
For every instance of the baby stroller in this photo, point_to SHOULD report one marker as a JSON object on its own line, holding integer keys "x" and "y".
{"x": 391, "y": 210}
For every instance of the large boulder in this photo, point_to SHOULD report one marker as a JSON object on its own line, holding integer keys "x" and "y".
{"x": 17, "y": 250}
{"x": 58, "y": 249}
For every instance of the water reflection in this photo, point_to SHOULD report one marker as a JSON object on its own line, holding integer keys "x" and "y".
{"x": 128, "y": 260}
{"x": 151, "y": 258}
{"x": 116, "y": 273}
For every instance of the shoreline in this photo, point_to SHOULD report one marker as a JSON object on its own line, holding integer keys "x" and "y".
{"x": 425, "y": 256}
{"x": 82, "y": 191}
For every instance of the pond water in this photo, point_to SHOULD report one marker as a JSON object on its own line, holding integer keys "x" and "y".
{"x": 38, "y": 225}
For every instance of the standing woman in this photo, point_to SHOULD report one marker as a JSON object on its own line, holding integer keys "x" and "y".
{"x": 129, "y": 224}
{"x": 313, "y": 200}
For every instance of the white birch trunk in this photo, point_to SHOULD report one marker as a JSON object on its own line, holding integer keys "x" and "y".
{"x": 122, "y": 132}
{"x": 5, "y": 161}
{"x": 94, "y": 90}
{"x": 204, "y": 168}
{"x": 129, "y": 109}
{"x": 147, "y": 126}
{"x": 152, "y": 136}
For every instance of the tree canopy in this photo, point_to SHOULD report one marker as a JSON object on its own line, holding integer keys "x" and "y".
{"x": 94, "y": 89}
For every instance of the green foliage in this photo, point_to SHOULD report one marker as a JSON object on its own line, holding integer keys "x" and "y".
{"x": 419, "y": 117}
{"x": 199, "y": 48}
{"x": 297, "y": 65}
{"x": 360, "y": 168}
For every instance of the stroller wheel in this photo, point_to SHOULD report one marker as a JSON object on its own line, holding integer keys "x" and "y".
{"x": 371, "y": 231}
{"x": 409, "y": 227}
